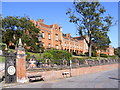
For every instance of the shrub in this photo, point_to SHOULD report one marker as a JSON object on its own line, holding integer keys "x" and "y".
{"x": 3, "y": 47}
{"x": 47, "y": 55}
{"x": 113, "y": 56}
{"x": 59, "y": 55}
{"x": 103, "y": 55}
{"x": 28, "y": 55}
{"x": 94, "y": 54}
{"x": 86, "y": 53}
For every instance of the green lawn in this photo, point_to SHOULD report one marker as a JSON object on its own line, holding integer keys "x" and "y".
{"x": 37, "y": 55}
{"x": 86, "y": 57}
{"x": 80, "y": 56}
{"x": 2, "y": 59}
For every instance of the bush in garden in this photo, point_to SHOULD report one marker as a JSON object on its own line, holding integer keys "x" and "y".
{"x": 28, "y": 55}
{"x": 94, "y": 54}
{"x": 59, "y": 55}
{"x": 103, "y": 55}
{"x": 46, "y": 56}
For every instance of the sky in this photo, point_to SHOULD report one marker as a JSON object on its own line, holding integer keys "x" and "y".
{"x": 55, "y": 13}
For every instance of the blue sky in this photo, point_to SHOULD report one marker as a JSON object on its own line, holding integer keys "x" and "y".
{"x": 55, "y": 13}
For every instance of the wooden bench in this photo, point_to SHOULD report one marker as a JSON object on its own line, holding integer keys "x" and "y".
{"x": 35, "y": 78}
{"x": 65, "y": 74}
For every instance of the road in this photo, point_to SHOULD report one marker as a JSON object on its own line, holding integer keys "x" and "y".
{"x": 104, "y": 79}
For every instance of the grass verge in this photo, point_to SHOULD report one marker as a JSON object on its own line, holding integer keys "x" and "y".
{"x": 2, "y": 59}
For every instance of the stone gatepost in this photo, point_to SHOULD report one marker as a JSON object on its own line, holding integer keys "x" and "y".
{"x": 21, "y": 64}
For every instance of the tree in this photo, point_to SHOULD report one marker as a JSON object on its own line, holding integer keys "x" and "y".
{"x": 16, "y": 27}
{"x": 47, "y": 56}
{"x": 91, "y": 22}
{"x": 117, "y": 51}
{"x": 0, "y": 31}
{"x": 59, "y": 55}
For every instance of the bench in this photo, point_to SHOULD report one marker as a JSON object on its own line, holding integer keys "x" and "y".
{"x": 65, "y": 74}
{"x": 35, "y": 78}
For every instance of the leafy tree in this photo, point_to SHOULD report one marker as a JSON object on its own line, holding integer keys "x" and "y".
{"x": 16, "y": 27}
{"x": 103, "y": 55}
{"x": 28, "y": 55}
{"x": 92, "y": 24}
{"x": 117, "y": 51}
{"x": 47, "y": 56}
{"x": 0, "y": 31}
{"x": 59, "y": 55}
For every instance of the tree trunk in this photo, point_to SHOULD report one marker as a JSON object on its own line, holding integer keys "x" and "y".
{"x": 89, "y": 50}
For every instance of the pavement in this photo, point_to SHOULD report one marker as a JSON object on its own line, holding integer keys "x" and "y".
{"x": 2, "y": 66}
{"x": 103, "y": 79}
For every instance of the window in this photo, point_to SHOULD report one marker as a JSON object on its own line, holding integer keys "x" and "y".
{"x": 49, "y": 45}
{"x": 56, "y": 37}
{"x": 65, "y": 44}
{"x": 42, "y": 34}
{"x": 56, "y": 46}
{"x": 49, "y": 36}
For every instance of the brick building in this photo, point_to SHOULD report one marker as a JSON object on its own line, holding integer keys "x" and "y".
{"x": 53, "y": 37}
{"x": 51, "y": 34}
{"x": 108, "y": 51}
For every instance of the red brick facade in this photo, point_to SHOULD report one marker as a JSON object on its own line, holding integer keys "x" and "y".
{"x": 108, "y": 51}
{"x": 54, "y": 38}
{"x": 51, "y": 34}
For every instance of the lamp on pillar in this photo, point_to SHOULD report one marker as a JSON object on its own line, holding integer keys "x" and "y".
{"x": 21, "y": 63}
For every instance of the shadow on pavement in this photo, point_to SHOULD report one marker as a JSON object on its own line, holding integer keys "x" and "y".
{"x": 115, "y": 79}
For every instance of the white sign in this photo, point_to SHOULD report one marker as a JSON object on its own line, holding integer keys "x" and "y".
{"x": 11, "y": 70}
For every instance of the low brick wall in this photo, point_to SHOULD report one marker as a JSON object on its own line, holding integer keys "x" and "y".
{"x": 52, "y": 75}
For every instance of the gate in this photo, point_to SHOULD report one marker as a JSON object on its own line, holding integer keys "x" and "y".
{"x": 10, "y": 67}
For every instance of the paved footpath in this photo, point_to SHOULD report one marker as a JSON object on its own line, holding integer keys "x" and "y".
{"x": 2, "y": 66}
{"x": 103, "y": 79}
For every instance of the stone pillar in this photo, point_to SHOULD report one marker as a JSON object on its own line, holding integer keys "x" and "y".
{"x": 21, "y": 64}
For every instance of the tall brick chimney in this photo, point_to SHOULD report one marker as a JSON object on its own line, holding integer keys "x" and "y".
{"x": 68, "y": 35}
{"x": 41, "y": 20}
